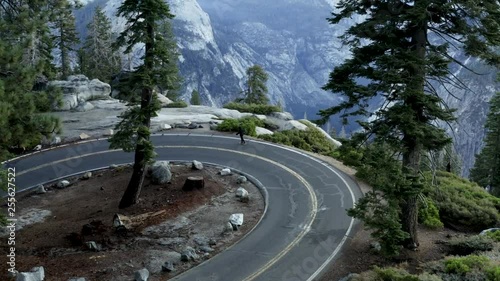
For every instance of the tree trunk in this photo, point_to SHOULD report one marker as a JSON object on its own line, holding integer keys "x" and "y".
{"x": 409, "y": 203}
{"x": 411, "y": 142}
{"x": 133, "y": 190}
{"x": 64, "y": 55}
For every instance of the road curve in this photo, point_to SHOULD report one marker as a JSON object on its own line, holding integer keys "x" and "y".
{"x": 304, "y": 226}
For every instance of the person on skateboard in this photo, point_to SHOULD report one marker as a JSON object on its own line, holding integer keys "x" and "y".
{"x": 241, "y": 133}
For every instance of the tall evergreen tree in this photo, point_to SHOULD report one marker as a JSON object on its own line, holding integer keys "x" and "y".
{"x": 133, "y": 132}
{"x": 392, "y": 51}
{"x": 171, "y": 79}
{"x": 486, "y": 170}
{"x": 98, "y": 58}
{"x": 256, "y": 91}
{"x": 195, "y": 98}
{"x": 65, "y": 37}
{"x": 21, "y": 125}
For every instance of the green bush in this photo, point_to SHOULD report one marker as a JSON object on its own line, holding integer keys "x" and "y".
{"x": 428, "y": 214}
{"x": 468, "y": 245}
{"x": 310, "y": 140}
{"x": 466, "y": 264}
{"x": 253, "y": 108}
{"x": 394, "y": 274}
{"x": 493, "y": 274}
{"x": 494, "y": 235}
{"x": 462, "y": 203}
{"x": 46, "y": 100}
{"x": 248, "y": 125}
{"x": 177, "y": 104}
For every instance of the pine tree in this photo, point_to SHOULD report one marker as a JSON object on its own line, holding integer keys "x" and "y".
{"x": 65, "y": 38}
{"x": 195, "y": 98}
{"x": 21, "y": 125}
{"x": 98, "y": 59}
{"x": 256, "y": 91}
{"x": 391, "y": 50}
{"x": 169, "y": 69}
{"x": 486, "y": 170}
{"x": 133, "y": 132}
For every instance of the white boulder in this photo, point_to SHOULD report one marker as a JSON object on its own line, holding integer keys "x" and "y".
{"x": 236, "y": 220}
{"x": 225, "y": 172}
{"x": 141, "y": 275}
{"x": 263, "y": 131}
{"x": 35, "y": 274}
{"x": 161, "y": 173}
{"x": 293, "y": 125}
{"x": 197, "y": 165}
{"x": 78, "y": 88}
{"x": 328, "y": 137}
{"x": 282, "y": 115}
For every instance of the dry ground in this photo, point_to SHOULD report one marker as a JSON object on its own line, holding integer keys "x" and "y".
{"x": 58, "y": 244}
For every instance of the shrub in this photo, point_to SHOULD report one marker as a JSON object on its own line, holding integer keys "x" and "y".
{"x": 462, "y": 203}
{"x": 46, "y": 100}
{"x": 466, "y": 264}
{"x": 494, "y": 235}
{"x": 248, "y": 125}
{"x": 253, "y": 108}
{"x": 177, "y": 104}
{"x": 394, "y": 274}
{"x": 493, "y": 274}
{"x": 468, "y": 245}
{"x": 310, "y": 140}
{"x": 428, "y": 214}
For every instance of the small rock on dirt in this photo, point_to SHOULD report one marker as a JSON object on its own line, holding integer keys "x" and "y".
{"x": 241, "y": 192}
{"x": 78, "y": 279}
{"x": 84, "y": 136}
{"x": 189, "y": 254}
{"x": 141, "y": 275}
{"x": 241, "y": 179}
{"x": 93, "y": 246}
{"x": 35, "y": 274}
{"x": 197, "y": 165}
{"x": 228, "y": 227}
{"x": 206, "y": 249}
{"x": 63, "y": 184}
{"x": 87, "y": 175}
{"x": 40, "y": 189}
{"x": 168, "y": 266}
{"x": 225, "y": 172}
{"x": 236, "y": 220}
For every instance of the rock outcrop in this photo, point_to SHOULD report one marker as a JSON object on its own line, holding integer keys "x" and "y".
{"x": 77, "y": 89}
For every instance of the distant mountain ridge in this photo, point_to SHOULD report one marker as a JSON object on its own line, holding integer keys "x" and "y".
{"x": 295, "y": 44}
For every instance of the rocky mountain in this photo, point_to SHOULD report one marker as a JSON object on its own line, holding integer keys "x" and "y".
{"x": 292, "y": 40}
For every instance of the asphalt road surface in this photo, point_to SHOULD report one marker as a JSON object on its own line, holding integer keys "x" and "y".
{"x": 304, "y": 225}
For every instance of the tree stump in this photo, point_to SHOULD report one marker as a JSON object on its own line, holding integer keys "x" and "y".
{"x": 194, "y": 182}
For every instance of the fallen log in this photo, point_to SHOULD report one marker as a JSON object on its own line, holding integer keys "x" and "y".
{"x": 121, "y": 222}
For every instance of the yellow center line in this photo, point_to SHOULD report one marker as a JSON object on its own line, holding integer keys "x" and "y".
{"x": 314, "y": 202}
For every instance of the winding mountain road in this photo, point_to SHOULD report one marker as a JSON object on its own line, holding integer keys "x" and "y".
{"x": 302, "y": 230}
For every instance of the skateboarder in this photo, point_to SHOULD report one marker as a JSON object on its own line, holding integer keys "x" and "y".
{"x": 241, "y": 132}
